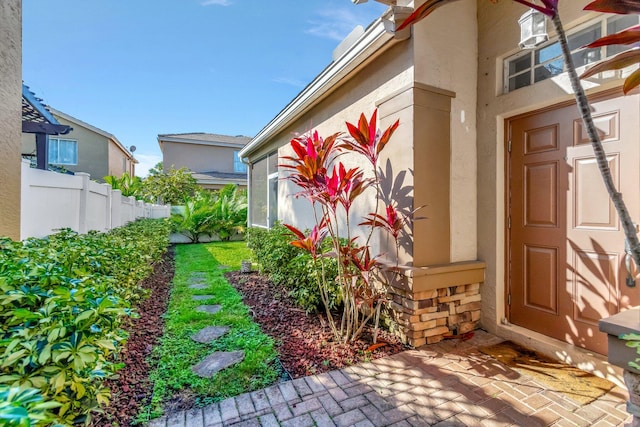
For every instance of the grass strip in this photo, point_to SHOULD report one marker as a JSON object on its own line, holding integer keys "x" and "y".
{"x": 177, "y": 353}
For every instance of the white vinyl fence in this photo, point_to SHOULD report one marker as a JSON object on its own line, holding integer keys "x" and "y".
{"x": 51, "y": 200}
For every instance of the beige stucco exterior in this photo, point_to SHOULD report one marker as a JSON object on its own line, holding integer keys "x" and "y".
{"x": 10, "y": 116}
{"x": 198, "y": 157}
{"x": 99, "y": 153}
{"x": 210, "y": 156}
{"x": 119, "y": 161}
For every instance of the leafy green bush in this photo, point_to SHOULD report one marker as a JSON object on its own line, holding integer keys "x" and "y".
{"x": 62, "y": 302}
{"x": 171, "y": 187}
{"x": 290, "y": 266}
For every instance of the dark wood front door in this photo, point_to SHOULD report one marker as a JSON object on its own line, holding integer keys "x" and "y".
{"x": 566, "y": 259}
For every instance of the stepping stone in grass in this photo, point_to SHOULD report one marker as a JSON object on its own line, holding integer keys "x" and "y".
{"x": 201, "y": 275}
{"x": 216, "y": 362}
{"x": 209, "y": 334}
{"x": 211, "y": 309}
{"x": 202, "y": 297}
{"x": 223, "y": 267}
{"x": 199, "y": 286}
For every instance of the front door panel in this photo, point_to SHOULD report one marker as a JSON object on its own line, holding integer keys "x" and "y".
{"x": 566, "y": 268}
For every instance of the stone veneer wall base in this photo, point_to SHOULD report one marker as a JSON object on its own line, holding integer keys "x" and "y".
{"x": 434, "y": 302}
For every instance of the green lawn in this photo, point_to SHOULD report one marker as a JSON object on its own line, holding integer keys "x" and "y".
{"x": 177, "y": 353}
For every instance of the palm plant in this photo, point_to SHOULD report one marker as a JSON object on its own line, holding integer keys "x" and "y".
{"x": 195, "y": 220}
{"x": 127, "y": 184}
{"x": 229, "y": 210}
{"x": 223, "y": 213}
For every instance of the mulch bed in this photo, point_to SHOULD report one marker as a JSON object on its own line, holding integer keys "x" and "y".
{"x": 305, "y": 342}
{"x": 131, "y": 388}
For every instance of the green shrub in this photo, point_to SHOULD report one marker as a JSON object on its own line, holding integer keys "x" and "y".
{"x": 62, "y": 302}
{"x": 223, "y": 213}
{"x": 24, "y": 408}
{"x": 290, "y": 266}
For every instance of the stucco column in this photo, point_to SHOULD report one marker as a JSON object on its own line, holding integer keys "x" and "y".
{"x": 10, "y": 116}
{"x": 418, "y": 164}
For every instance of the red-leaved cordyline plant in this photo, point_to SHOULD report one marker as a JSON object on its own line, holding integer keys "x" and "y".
{"x": 332, "y": 188}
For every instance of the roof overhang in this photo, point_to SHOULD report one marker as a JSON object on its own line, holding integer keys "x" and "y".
{"x": 374, "y": 39}
{"x": 162, "y": 139}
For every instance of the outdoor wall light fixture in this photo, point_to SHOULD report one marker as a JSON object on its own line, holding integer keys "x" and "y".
{"x": 533, "y": 29}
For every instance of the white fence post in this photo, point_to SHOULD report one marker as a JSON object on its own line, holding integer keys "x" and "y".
{"x": 84, "y": 202}
{"x": 132, "y": 215}
{"x": 116, "y": 208}
{"x": 107, "y": 213}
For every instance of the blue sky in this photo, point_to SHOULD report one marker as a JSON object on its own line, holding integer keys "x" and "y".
{"x": 144, "y": 67}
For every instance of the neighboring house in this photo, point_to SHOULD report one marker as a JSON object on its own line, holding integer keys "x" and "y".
{"x": 10, "y": 93}
{"x": 212, "y": 158}
{"x": 490, "y": 141}
{"x": 86, "y": 148}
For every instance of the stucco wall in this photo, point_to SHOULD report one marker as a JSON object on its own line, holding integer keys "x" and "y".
{"x": 10, "y": 116}
{"x": 498, "y": 36}
{"x": 116, "y": 157}
{"x": 198, "y": 158}
{"x": 360, "y": 94}
{"x": 446, "y": 58}
{"x": 93, "y": 151}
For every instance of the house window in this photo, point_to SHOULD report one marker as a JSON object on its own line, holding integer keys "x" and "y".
{"x": 535, "y": 65}
{"x": 264, "y": 191}
{"x": 238, "y": 166}
{"x": 63, "y": 151}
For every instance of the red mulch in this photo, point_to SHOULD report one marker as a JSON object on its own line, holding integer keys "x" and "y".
{"x": 131, "y": 387}
{"x": 305, "y": 342}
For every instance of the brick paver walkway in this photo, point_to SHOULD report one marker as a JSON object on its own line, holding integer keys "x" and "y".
{"x": 446, "y": 384}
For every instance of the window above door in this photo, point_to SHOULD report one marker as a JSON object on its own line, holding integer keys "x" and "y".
{"x": 535, "y": 65}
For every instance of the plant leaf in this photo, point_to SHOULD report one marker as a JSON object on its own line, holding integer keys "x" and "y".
{"x": 619, "y": 61}
{"x": 631, "y": 82}
{"x": 614, "y": 6}
{"x": 628, "y": 36}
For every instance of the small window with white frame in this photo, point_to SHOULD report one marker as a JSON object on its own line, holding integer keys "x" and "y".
{"x": 535, "y": 65}
{"x": 238, "y": 165}
{"x": 63, "y": 151}
{"x": 264, "y": 191}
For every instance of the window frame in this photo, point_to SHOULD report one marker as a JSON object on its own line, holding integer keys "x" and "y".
{"x": 237, "y": 161}
{"x": 271, "y": 179}
{"x": 58, "y": 160}
{"x": 602, "y": 23}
